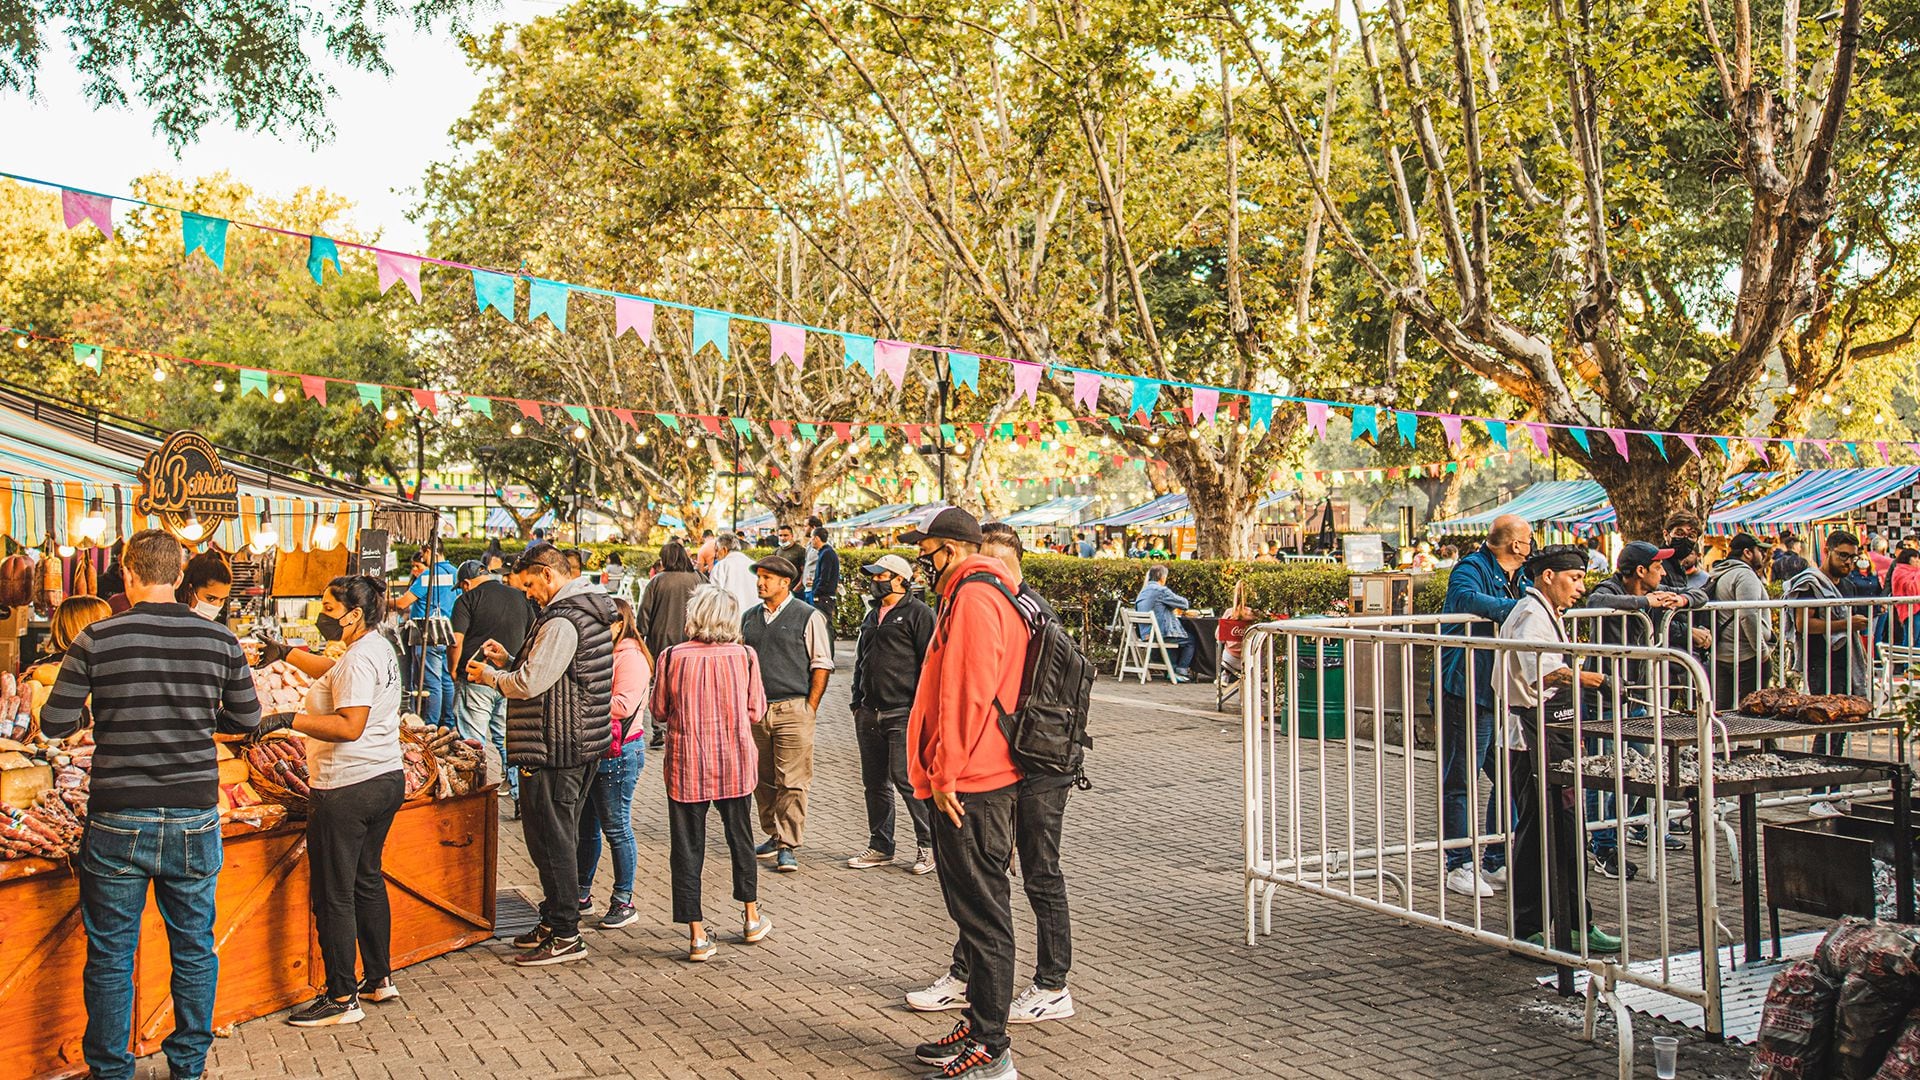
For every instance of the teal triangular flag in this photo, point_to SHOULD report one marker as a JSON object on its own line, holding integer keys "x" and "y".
{"x": 320, "y": 251}
{"x": 1854, "y": 449}
{"x": 1260, "y": 410}
{"x": 858, "y": 349}
{"x": 369, "y": 394}
{"x": 1366, "y": 421}
{"x": 1659, "y": 443}
{"x": 743, "y": 427}
{"x": 809, "y": 433}
{"x": 965, "y": 368}
{"x": 1725, "y": 444}
{"x": 481, "y": 405}
{"x": 88, "y": 355}
{"x": 253, "y": 382}
{"x": 876, "y": 435}
{"x": 671, "y": 421}
{"x": 494, "y": 291}
{"x": 1497, "y": 431}
{"x": 208, "y": 234}
{"x": 1580, "y": 436}
{"x": 1791, "y": 450}
{"x": 579, "y": 413}
{"x": 1117, "y": 424}
{"x": 710, "y": 326}
{"x": 1146, "y": 393}
{"x": 547, "y": 298}
{"x": 1408, "y": 424}
{"x": 947, "y": 434}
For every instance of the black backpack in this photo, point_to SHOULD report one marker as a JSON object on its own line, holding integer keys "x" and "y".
{"x": 1047, "y": 730}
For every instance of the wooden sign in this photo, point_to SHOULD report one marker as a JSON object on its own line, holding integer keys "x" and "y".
{"x": 184, "y": 485}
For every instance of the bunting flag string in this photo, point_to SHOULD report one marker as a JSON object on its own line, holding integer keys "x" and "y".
{"x": 495, "y": 288}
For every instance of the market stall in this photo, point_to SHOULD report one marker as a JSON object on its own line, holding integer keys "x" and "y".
{"x": 1545, "y": 502}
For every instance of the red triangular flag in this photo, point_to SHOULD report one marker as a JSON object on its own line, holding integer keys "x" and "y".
{"x": 712, "y": 424}
{"x": 426, "y": 399}
{"x": 781, "y": 428}
{"x": 979, "y": 430}
{"x": 530, "y": 410}
{"x": 843, "y": 432}
{"x": 912, "y": 432}
{"x": 626, "y": 417}
{"x": 315, "y": 387}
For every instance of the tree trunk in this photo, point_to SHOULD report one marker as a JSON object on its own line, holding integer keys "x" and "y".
{"x": 1443, "y": 495}
{"x": 1225, "y": 509}
{"x": 1646, "y": 492}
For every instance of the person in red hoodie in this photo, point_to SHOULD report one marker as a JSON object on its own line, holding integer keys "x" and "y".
{"x": 957, "y": 756}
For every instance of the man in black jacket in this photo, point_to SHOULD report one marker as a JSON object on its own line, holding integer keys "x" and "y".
{"x": 823, "y": 581}
{"x": 559, "y": 723}
{"x": 886, "y": 670}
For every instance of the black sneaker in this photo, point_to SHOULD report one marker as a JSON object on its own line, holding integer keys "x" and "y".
{"x": 323, "y": 1011}
{"x": 1610, "y": 864}
{"x": 659, "y": 740}
{"x": 975, "y": 1063}
{"x": 384, "y": 990}
{"x": 555, "y": 950}
{"x": 618, "y": 916}
{"x": 766, "y": 850}
{"x": 947, "y": 1047}
{"x": 534, "y": 938}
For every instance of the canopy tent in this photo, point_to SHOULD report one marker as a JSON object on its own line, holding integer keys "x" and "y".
{"x": 1266, "y": 501}
{"x": 1732, "y": 489}
{"x": 867, "y": 519}
{"x": 501, "y": 522}
{"x": 1548, "y": 500}
{"x": 1061, "y": 510}
{"x": 908, "y": 517}
{"x": 762, "y": 520}
{"x": 56, "y": 462}
{"x": 1818, "y": 495}
{"x": 1153, "y": 510}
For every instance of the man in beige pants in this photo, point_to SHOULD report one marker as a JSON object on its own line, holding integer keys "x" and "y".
{"x": 796, "y": 655}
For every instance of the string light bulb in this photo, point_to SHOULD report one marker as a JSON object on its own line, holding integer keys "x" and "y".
{"x": 1153, "y": 439}
{"x": 515, "y": 428}
{"x": 1195, "y": 433}
{"x": 1846, "y": 410}
{"x": 580, "y": 432}
{"x": 459, "y": 422}
{"x": 641, "y": 439}
{"x": 219, "y": 386}
{"x": 93, "y": 525}
{"x": 1453, "y": 395}
{"x": 1826, "y": 399}
{"x": 159, "y": 373}
{"x": 279, "y": 396}
{"x": 693, "y": 441}
{"x": 1879, "y": 418}
{"x": 392, "y": 413}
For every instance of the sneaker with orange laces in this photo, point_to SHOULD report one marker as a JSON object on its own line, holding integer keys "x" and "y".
{"x": 976, "y": 1062}
{"x": 946, "y": 1047}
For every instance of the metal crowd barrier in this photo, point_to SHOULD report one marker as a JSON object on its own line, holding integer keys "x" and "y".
{"x": 1357, "y": 815}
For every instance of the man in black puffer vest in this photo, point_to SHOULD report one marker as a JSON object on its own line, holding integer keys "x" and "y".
{"x": 559, "y": 707}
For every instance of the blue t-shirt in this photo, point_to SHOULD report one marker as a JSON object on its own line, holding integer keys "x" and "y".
{"x": 439, "y": 584}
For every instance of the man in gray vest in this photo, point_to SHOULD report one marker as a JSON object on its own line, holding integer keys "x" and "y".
{"x": 559, "y": 724}
{"x": 796, "y": 654}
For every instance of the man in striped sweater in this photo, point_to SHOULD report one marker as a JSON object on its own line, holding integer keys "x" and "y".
{"x": 161, "y": 680}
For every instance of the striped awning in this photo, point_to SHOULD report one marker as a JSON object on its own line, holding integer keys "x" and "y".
{"x": 1061, "y": 510}
{"x": 1818, "y": 495}
{"x": 1732, "y": 489}
{"x": 1165, "y": 506}
{"x": 1266, "y": 502}
{"x": 1548, "y": 500}
{"x": 867, "y": 519}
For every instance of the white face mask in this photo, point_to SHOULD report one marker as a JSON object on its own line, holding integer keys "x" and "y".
{"x": 207, "y": 609}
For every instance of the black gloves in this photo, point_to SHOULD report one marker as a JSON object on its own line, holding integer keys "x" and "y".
{"x": 271, "y": 649}
{"x": 273, "y": 722}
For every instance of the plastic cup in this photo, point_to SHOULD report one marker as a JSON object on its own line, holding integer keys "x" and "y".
{"x": 1666, "y": 1057}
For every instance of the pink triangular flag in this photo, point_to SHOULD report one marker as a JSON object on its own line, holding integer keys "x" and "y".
{"x": 426, "y": 399}
{"x": 393, "y": 267}
{"x": 1026, "y": 380}
{"x": 1619, "y": 439}
{"x": 1539, "y": 433}
{"x": 1826, "y": 448}
{"x": 891, "y": 357}
{"x": 1205, "y": 403}
{"x": 1086, "y": 389}
{"x": 1692, "y": 442}
{"x": 1885, "y": 458}
{"x": 789, "y": 342}
{"x": 1451, "y": 425}
{"x": 315, "y": 387}
{"x": 634, "y": 315}
{"x": 78, "y": 206}
{"x": 1317, "y": 417}
{"x": 1759, "y": 446}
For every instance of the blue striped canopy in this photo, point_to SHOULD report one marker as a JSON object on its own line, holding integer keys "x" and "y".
{"x": 1056, "y": 511}
{"x": 1165, "y": 506}
{"x": 1732, "y": 489}
{"x": 1818, "y": 495}
{"x": 1266, "y": 501}
{"x": 1548, "y": 500}
{"x": 870, "y": 517}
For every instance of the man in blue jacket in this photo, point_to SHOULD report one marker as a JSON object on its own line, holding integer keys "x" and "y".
{"x": 823, "y": 591}
{"x": 1486, "y": 583}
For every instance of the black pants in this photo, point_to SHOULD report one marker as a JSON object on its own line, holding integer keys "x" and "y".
{"x": 1039, "y": 816}
{"x": 1734, "y": 681}
{"x": 1563, "y": 850}
{"x": 550, "y": 804}
{"x": 973, "y": 861}
{"x": 687, "y": 835}
{"x": 883, "y": 771}
{"x": 346, "y": 832}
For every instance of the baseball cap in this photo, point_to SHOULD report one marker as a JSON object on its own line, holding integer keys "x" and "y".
{"x": 469, "y": 570}
{"x": 890, "y": 564}
{"x": 1639, "y": 553}
{"x": 1745, "y": 541}
{"x": 952, "y": 523}
{"x": 775, "y": 564}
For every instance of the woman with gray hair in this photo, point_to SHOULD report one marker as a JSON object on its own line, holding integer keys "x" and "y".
{"x": 707, "y": 697}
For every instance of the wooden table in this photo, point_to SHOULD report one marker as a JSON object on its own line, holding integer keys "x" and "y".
{"x": 440, "y": 863}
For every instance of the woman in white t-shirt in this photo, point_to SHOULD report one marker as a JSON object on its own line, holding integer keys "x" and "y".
{"x": 352, "y": 724}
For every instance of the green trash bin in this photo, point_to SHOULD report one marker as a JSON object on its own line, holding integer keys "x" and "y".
{"x": 1320, "y": 679}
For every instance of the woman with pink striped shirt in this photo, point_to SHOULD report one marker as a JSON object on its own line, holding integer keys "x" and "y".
{"x": 707, "y": 696}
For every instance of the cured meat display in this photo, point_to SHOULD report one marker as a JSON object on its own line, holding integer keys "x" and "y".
{"x": 1786, "y": 704}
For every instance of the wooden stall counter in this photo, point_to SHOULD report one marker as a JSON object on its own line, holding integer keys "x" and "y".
{"x": 441, "y": 860}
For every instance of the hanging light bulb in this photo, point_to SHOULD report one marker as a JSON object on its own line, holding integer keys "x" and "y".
{"x": 93, "y": 526}
{"x": 65, "y": 551}
{"x": 1194, "y": 433}
{"x": 793, "y": 445}
{"x": 1792, "y": 389}
{"x": 279, "y": 396}
{"x": 1826, "y": 399}
{"x": 20, "y": 341}
{"x": 1453, "y": 395}
{"x": 265, "y": 536}
{"x": 693, "y": 441}
{"x": 1879, "y": 418}
{"x": 191, "y": 530}
{"x": 515, "y": 428}
{"x": 325, "y": 534}
{"x": 641, "y": 439}
{"x": 1153, "y": 439}
{"x": 219, "y": 386}
{"x": 580, "y": 432}
{"x": 392, "y": 413}
{"x": 459, "y": 422}
{"x": 159, "y": 373}
{"x": 1846, "y": 410}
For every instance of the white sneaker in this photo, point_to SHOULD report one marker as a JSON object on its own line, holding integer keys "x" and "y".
{"x": 1465, "y": 881}
{"x": 923, "y": 863}
{"x": 1495, "y": 878}
{"x": 868, "y": 859}
{"x": 1823, "y": 808}
{"x": 1035, "y": 1004}
{"x": 946, "y": 993}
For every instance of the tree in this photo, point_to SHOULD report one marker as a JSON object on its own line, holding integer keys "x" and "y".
{"x": 195, "y": 60}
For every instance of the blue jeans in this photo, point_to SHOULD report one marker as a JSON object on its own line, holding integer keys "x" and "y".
{"x": 179, "y": 852}
{"x": 608, "y": 811}
{"x": 482, "y": 715}
{"x": 438, "y": 708}
{"x": 1455, "y": 767}
{"x": 1600, "y": 798}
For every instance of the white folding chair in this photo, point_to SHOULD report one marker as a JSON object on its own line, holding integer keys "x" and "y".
{"x": 1139, "y": 637}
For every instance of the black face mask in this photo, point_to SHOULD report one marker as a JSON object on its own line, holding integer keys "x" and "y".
{"x": 928, "y": 568}
{"x": 881, "y": 588}
{"x": 328, "y": 626}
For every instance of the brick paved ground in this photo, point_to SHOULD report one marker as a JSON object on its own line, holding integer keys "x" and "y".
{"x": 1165, "y": 985}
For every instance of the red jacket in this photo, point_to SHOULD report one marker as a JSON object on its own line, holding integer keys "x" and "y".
{"x": 979, "y": 649}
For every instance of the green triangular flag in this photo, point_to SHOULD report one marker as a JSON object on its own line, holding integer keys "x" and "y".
{"x": 88, "y": 355}
{"x": 947, "y": 433}
{"x": 671, "y": 421}
{"x": 369, "y": 394}
{"x": 579, "y": 413}
{"x": 743, "y": 426}
{"x": 1005, "y": 431}
{"x": 1116, "y": 424}
{"x": 481, "y": 405}
{"x": 1065, "y": 426}
{"x": 253, "y": 382}
{"x": 809, "y": 433}
{"x": 876, "y": 435}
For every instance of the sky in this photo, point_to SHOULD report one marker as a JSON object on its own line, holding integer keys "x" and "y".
{"x": 387, "y": 130}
